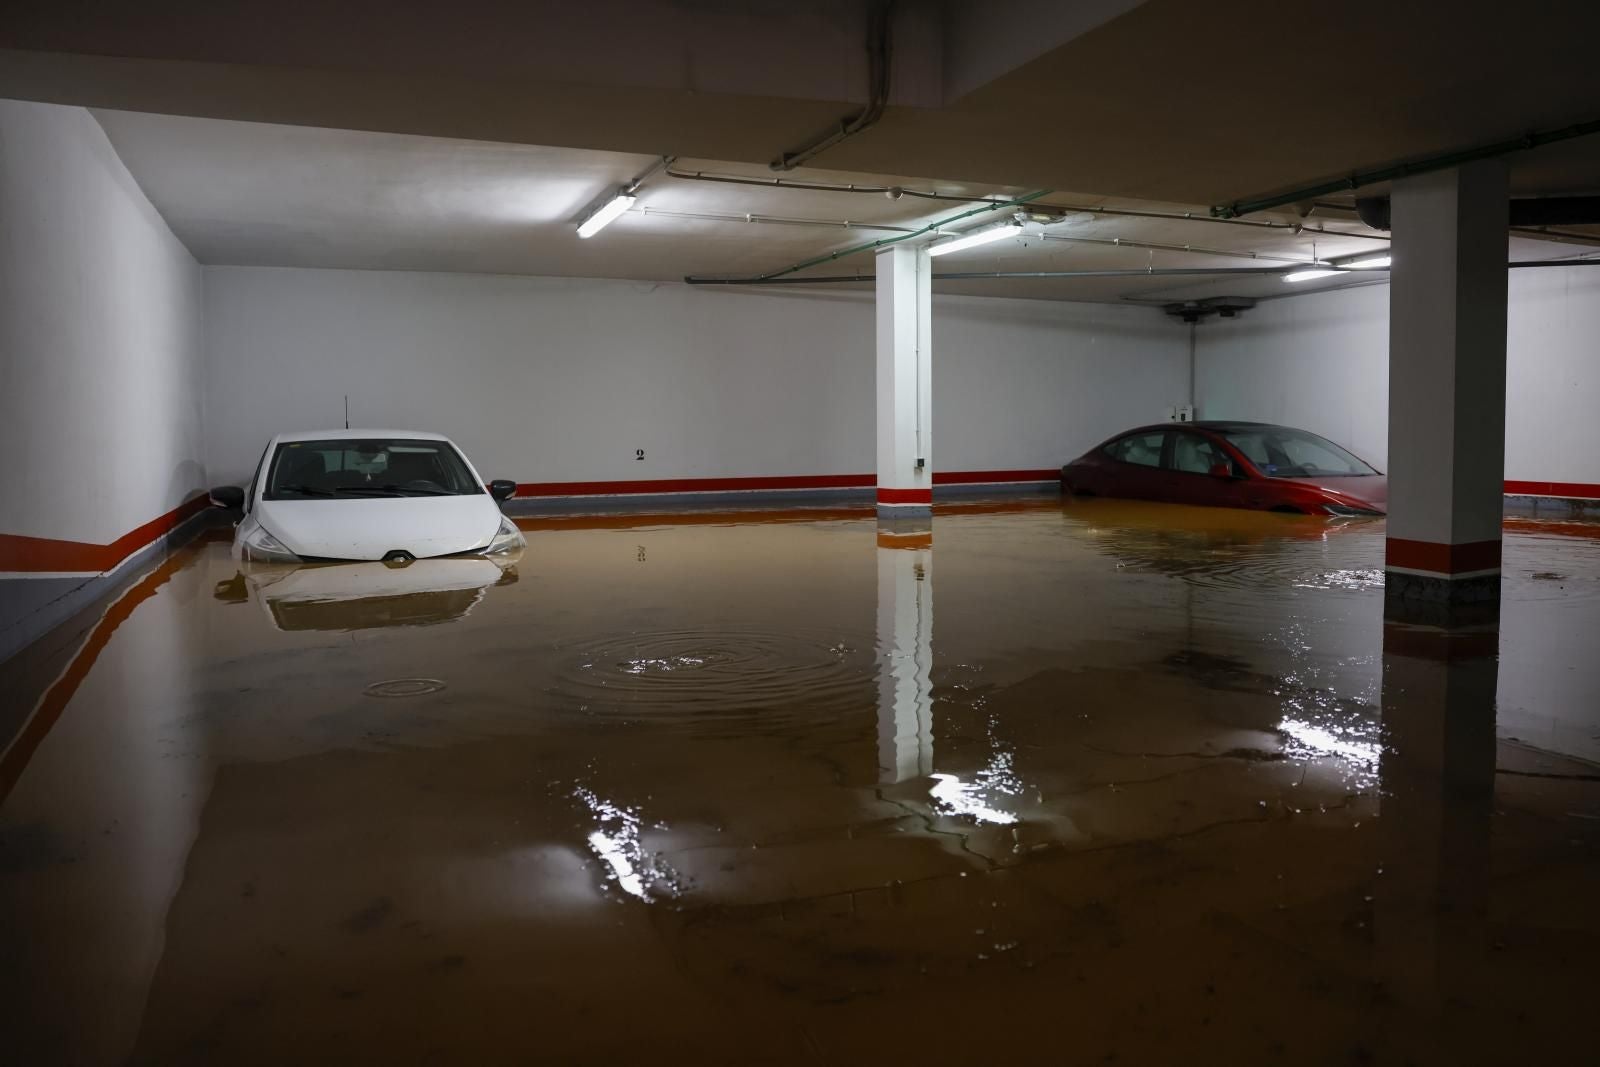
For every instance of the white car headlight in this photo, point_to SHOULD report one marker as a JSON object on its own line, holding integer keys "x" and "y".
{"x": 506, "y": 539}
{"x": 261, "y": 547}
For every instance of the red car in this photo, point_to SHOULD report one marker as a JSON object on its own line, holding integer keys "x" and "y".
{"x": 1230, "y": 465}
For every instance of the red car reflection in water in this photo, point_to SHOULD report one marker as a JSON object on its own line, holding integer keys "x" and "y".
{"x": 1230, "y": 465}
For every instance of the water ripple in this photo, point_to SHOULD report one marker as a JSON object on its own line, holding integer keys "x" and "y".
{"x": 720, "y": 674}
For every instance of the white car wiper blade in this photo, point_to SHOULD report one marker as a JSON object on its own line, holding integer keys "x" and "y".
{"x": 304, "y": 490}
{"x": 367, "y": 490}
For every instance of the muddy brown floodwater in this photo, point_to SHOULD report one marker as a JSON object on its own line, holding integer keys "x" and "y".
{"x": 1062, "y": 783}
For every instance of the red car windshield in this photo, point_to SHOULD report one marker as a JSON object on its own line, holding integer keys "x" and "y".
{"x": 1279, "y": 452}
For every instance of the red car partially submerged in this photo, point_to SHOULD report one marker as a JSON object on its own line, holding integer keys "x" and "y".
{"x": 1230, "y": 465}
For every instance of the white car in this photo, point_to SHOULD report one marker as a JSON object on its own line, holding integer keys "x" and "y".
{"x": 367, "y": 495}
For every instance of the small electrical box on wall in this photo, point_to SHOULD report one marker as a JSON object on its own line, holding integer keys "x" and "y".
{"x": 1182, "y": 413}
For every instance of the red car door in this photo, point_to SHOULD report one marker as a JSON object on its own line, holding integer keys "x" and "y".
{"x": 1194, "y": 461}
{"x": 1135, "y": 470}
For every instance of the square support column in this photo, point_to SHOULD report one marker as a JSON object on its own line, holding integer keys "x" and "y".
{"x": 905, "y": 382}
{"x": 1447, "y": 391}
{"x": 905, "y": 650}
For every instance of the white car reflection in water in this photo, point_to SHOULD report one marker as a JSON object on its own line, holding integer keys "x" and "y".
{"x": 361, "y": 596}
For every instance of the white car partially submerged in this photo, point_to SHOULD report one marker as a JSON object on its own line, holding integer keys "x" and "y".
{"x": 367, "y": 495}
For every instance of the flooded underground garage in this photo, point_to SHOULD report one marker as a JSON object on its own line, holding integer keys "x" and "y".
{"x": 1085, "y": 781}
{"x": 857, "y": 532}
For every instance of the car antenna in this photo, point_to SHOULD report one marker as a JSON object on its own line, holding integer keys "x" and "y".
{"x": 347, "y": 411}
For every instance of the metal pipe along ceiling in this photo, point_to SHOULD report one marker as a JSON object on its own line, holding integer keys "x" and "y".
{"x": 1158, "y": 272}
{"x": 891, "y": 191}
{"x": 1149, "y": 272}
{"x": 1357, "y": 179}
{"x": 847, "y": 224}
{"x": 870, "y": 246}
{"x": 896, "y": 191}
{"x": 778, "y": 220}
{"x": 878, "y": 59}
{"x": 1522, "y": 213}
{"x": 1124, "y": 242}
{"x": 1541, "y": 232}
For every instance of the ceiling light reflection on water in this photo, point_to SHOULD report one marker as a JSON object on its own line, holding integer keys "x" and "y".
{"x": 956, "y": 797}
{"x": 1353, "y": 580}
{"x": 1311, "y": 741}
{"x": 1320, "y": 723}
{"x": 614, "y": 851}
{"x": 618, "y": 842}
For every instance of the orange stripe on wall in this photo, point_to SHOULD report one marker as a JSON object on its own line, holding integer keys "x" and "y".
{"x": 1517, "y": 524}
{"x": 59, "y": 695}
{"x": 45, "y": 554}
{"x": 18, "y": 553}
{"x": 1442, "y": 559}
{"x": 696, "y": 485}
{"x": 792, "y": 481}
{"x": 979, "y": 477}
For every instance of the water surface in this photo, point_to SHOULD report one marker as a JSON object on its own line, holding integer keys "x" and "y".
{"x": 1080, "y": 783}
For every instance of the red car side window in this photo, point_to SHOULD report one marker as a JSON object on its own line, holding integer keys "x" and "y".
{"x": 1143, "y": 449}
{"x": 1194, "y": 454}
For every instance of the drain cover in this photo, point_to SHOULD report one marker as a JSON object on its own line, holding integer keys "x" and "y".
{"x": 404, "y": 687}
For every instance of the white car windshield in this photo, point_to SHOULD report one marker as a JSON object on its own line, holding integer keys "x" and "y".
{"x": 350, "y": 468}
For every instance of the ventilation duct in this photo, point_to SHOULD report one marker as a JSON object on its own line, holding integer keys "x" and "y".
{"x": 1533, "y": 211}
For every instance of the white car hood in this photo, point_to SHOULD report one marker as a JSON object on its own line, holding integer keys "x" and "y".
{"x": 368, "y": 528}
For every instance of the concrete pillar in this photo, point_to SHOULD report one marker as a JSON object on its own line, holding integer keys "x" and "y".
{"x": 1447, "y": 390}
{"x": 905, "y": 382}
{"x": 1431, "y": 901}
{"x": 905, "y": 653}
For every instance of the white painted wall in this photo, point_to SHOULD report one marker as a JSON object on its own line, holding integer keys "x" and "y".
{"x": 559, "y": 379}
{"x": 100, "y": 361}
{"x": 1553, "y": 375}
{"x": 1024, "y": 384}
{"x": 1321, "y": 362}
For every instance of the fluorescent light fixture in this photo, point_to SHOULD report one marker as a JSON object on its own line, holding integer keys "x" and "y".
{"x": 1307, "y": 275}
{"x": 1370, "y": 263}
{"x": 603, "y": 217}
{"x": 980, "y": 237}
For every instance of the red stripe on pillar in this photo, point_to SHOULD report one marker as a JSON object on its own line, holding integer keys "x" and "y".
{"x": 1440, "y": 645}
{"x": 1442, "y": 559}
{"x": 905, "y": 496}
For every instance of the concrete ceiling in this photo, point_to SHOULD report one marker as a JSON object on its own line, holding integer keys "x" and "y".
{"x": 1190, "y": 101}
{"x": 271, "y": 195}
{"x": 1174, "y": 104}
